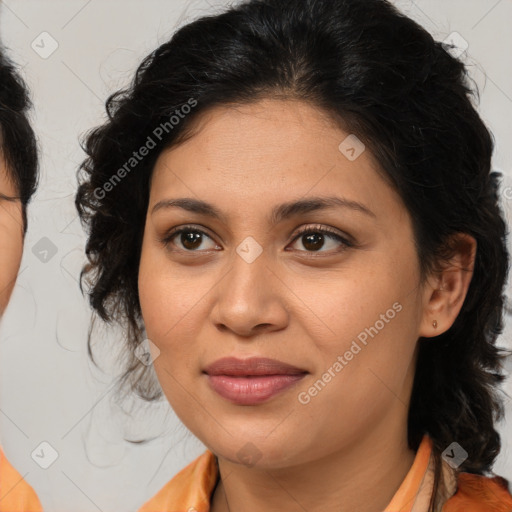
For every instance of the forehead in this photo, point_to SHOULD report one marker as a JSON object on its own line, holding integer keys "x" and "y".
{"x": 267, "y": 151}
{"x": 267, "y": 128}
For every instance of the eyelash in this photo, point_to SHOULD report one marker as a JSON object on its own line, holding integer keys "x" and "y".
{"x": 303, "y": 231}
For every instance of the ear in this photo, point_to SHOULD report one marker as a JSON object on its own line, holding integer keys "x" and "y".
{"x": 446, "y": 290}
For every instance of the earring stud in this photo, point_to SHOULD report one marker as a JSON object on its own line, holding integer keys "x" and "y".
{"x": 434, "y": 323}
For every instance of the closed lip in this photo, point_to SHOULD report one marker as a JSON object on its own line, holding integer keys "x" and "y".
{"x": 252, "y": 366}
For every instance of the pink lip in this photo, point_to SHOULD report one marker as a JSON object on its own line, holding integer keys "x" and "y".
{"x": 251, "y": 381}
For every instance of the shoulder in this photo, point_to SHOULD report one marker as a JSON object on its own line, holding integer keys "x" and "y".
{"x": 477, "y": 493}
{"x": 16, "y": 495}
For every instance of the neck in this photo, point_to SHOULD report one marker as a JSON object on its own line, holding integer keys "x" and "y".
{"x": 363, "y": 475}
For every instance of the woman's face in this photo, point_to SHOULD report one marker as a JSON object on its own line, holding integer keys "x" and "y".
{"x": 11, "y": 237}
{"x": 345, "y": 315}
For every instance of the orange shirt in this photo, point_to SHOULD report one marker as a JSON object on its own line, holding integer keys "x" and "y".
{"x": 192, "y": 487}
{"x": 16, "y": 495}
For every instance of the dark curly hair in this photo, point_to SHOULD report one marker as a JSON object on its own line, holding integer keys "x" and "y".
{"x": 382, "y": 77}
{"x": 18, "y": 145}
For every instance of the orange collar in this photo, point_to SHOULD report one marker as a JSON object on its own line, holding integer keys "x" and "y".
{"x": 414, "y": 491}
{"x": 192, "y": 487}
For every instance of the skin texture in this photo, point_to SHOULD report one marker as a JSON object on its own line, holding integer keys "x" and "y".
{"x": 11, "y": 236}
{"x": 346, "y": 449}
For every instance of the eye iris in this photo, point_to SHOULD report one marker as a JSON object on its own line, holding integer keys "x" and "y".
{"x": 314, "y": 241}
{"x": 189, "y": 239}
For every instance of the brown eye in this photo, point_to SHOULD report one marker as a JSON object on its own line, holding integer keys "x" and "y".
{"x": 314, "y": 239}
{"x": 190, "y": 239}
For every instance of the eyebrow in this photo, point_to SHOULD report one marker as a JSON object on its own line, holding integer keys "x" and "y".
{"x": 3, "y": 197}
{"x": 278, "y": 214}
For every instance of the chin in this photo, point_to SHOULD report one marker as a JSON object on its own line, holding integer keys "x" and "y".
{"x": 250, "y": 451}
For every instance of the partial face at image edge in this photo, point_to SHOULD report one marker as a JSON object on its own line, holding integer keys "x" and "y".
{"x": 11, "y": 235}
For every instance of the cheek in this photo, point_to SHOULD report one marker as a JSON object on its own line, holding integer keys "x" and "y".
{"x": 163, "y": 315}
{"x": 170, "y": 305}
{"x": 364, "y": 371}
{"x": 342, "y": 304}
{"x": 367, "y": 329}
{"x": 11, "y": 250}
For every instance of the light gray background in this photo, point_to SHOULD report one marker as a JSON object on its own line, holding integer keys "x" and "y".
{"x": 49, "y": 389}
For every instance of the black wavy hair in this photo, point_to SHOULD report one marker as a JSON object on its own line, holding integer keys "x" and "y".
{"x": 382, "y": 77}
{"x": 18, "y": 144}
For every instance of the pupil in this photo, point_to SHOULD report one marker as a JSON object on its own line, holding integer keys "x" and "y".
{"x": 315, "y": 240}
{"x": 190, "y": 239}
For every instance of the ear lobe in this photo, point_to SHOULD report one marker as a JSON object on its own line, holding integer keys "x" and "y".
{"x": 445, "y": 294}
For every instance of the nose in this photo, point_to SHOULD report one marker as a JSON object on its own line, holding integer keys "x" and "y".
{"x": 250, "y": 299}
